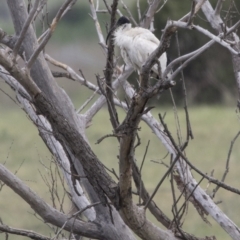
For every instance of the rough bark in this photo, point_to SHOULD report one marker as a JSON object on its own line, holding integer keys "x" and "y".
{"x": 41, "y": 75}
{"x": 40, "y": 71}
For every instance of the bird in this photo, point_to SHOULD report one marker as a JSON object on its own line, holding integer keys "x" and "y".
{"x": 136, "y": 45}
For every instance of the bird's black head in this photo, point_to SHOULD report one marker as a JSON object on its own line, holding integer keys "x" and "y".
{"x": 122, "y": 20}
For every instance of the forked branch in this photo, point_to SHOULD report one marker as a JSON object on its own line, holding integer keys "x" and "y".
{"x": 47, "y": 35}
{"x": 25, "y": 28}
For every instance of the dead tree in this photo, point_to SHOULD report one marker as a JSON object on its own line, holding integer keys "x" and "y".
{"x": 106, "y": 203}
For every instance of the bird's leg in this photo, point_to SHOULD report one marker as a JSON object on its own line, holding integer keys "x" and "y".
{"x": 159, "y": 69}
{"x": 140, "y": 77}
{"x": 158, "y": 75}
{"x": 124, "y": 66}
{"x": 140, "y": 82}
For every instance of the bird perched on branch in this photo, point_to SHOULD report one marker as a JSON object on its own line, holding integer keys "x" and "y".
{"x": 136, "y": 45}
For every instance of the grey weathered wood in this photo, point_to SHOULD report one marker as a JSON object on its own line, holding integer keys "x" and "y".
{"x": 41, "y": 75}
{"x": 56, "y": 149}
{"x": 40, "y": 72}
{"x": 48, "y": 213}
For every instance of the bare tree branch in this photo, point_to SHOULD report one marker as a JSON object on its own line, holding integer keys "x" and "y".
{"x": 148, "y": 16}
{"x": 217, "y": 39}
{"x": 9, "y": 40}
{"x": 23, "y": 232}
{"x": 197, "y": 8}
{"x": 161, "y": 181}
{"x": 227, "y": 165}
{"x": 49, "y": 32}
{"x": 192, "y": 13}
{"x": 71, "y": 72}
{"x": 97, "y": 25}
{"x": 190, "y": 57}
{"x": 22, "y": 75}
{"x": 109, "y": 71}
{"x": 233, "y": 28}
{"x": 54, "y": 146}
{"x": 218, "y": 7}
{"x": 25, "y": 28}
{"x": 102, "y": 100}
{"x": 164, "y": 44}
{"x": 129, "y": 13}
{"x": 48, "y": 213}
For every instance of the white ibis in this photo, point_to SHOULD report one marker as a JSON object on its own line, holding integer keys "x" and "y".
{"x": 136, "y": 44}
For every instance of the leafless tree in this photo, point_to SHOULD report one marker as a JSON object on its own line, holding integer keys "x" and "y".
{"x": 107, "y": 203}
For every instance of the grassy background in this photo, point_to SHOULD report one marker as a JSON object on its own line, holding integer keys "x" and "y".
{"x": 213, "y": 127}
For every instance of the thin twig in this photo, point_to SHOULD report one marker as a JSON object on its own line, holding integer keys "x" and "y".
{"x": 179, "y": 152}
{"x": 148, "y": 16}
{"x": 87, "y": 101}
{"x": 218, "y": 8}
{"x": 192, "y": 13}
{"x": 84, "y": 209}
{"x": 233, "y": 28}
{"x": 129, "y": 13}
{"x": 161, "y": 181}
{"x": 160, "y": 162}
{"x": 138, "y": 141}
{"x": 49, "y": 32}
{"x": 177, "y": 122}
{"x": 227, "y": 165}
{"x": 106, "y": 136}
{"x": 140, "y": 188}
{"x": 62, "y": 75}
{"x": 189, "y": 129}
{"x": 202, "y": 30}
{"x": 180, "y": 196}
{"x": 185, "y": 202}
{"x": 193, "y": 55}
{"x": 174, "y": 207}
{"x": 39, "y": 49}
{"x": 165, "y": 1}
{"x": 146, "y": 150}
{"x": 138, "y": 10}
{"x": 72, "y": 74}
{"x": 109, "y": 71}
{"x": 197, "y": 8}
{"x": 108, "y": 8}
{"x": 10, "y": 97}
{"x": 112, "y": 171}
{"x": 97, "y": 25}
{"x": 23, "y": 232}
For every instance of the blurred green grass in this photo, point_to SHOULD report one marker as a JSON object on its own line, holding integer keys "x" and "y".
{"x": 213, "y": 127}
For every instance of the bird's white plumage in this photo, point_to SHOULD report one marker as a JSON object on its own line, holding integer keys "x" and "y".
{"x": 136, "y": 45}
